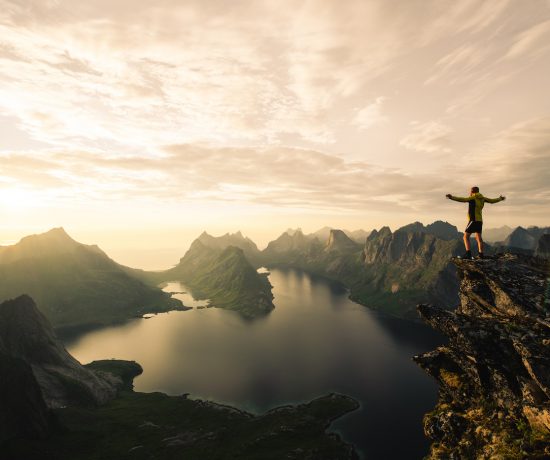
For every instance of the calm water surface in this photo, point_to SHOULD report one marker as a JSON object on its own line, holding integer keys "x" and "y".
{"x": 314, "y": 342}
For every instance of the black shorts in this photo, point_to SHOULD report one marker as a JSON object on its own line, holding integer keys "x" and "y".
{"x": 474, "y": 226}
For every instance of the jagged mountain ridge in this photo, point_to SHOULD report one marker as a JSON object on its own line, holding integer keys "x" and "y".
{"x": 494, "y": 374}
{"x": 75, "y": 284}
{"x": 237, "y": 240}
{"x": 525, "y": 238}
{"x": 389, "y": 271}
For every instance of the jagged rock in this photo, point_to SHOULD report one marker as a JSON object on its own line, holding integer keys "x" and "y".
{"x": 26, "y": 335}
{"x": 494, "y": 374}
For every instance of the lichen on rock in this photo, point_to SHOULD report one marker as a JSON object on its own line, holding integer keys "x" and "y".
{"x": 494, "y": 373}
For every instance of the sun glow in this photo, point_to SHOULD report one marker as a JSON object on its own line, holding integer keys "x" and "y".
{"x": 17, "y": 198}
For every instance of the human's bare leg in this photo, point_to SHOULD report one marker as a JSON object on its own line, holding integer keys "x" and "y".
{"x": 479, "y": 240}
{"x": 467, "y": 240}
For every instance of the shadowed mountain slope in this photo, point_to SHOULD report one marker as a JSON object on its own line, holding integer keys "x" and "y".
{"x": 75, "y": 284}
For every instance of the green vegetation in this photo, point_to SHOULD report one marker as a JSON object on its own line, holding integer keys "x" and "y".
{"x": 75, "y": 284}
{"x": 154, "y": 425}
{"x": 225, "y": 277}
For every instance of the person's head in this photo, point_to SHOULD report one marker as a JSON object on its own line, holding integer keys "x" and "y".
{"x": 474, "y": 190}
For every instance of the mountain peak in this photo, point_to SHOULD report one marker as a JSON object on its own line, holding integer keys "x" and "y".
{"x": 339, "y": 241}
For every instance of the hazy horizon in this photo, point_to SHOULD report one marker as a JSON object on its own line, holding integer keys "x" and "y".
{"x": 137, "y": 126}
{"x": 127, "y": 246}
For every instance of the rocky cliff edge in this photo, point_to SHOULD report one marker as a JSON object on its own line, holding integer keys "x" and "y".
{"x": 494, "y": 373}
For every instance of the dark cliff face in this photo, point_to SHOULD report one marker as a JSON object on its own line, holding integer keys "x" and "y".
{"x": 27, "y": 336}
{"x": 412, "y": 265}
{"x": 23, "y": 412}
{"x": 494, "y": 374}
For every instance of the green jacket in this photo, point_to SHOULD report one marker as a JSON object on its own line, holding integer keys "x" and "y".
{"x": 475, "y": 204}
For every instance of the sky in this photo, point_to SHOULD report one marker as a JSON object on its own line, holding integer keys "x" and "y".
{"x": 137, "y": 125}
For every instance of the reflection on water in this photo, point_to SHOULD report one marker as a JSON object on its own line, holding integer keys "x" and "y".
{"x": 315, "y": 341}
{"x": 180, "y": 292}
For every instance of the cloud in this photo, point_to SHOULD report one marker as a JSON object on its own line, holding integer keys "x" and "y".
{"x": 516, "y": 161}
{"x": 370, "y": 115}
{"x": 275, "y": 176}
{"x": 534, "y": 40}
{"x": 131, "y": 73}
{"x": 430, "y": 137}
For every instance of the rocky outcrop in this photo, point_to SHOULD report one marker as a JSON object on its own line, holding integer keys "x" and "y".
{"x": 494, "y": 374}
{"x": 27, "y": 336}
{"x": 407, "y": 265}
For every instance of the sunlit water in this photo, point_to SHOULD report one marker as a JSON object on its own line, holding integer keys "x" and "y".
{"x": 314, "y": 342}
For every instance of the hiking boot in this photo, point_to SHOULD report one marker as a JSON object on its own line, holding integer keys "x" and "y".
{"x": 466, "y": 255}
{"x": 480, "y": 256}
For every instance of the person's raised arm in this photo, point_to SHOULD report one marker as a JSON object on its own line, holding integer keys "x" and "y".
{"x": 459, "y": 198}
{"x": 495, "y": 200}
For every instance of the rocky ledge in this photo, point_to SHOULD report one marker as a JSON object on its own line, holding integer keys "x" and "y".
{"x": 494, "y": 374}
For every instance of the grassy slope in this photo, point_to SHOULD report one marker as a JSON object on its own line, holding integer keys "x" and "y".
{"x": 80, "y": 286}
{"x": 223, "y": 276}
{"x": 157, "y": 426}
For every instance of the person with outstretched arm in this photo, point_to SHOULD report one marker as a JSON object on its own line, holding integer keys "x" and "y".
{"x": 475, "y": 220}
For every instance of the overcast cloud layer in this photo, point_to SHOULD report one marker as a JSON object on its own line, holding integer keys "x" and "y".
{"x": 367, "y": 108}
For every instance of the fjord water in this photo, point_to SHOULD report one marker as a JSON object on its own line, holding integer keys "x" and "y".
{"x": 315, "y": 341}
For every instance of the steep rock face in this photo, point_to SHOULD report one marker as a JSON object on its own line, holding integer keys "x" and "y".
{"x": 494, "y": 374}
{"x": 27, "y": 336}
{"x": 339, "y": 242}
{"x": 23, "y": 412}
{"x": 391, "y": 272}
{"x": 408, "y": 265}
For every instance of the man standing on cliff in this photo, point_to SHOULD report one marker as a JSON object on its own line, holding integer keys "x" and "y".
{"x": 475, "y": 220}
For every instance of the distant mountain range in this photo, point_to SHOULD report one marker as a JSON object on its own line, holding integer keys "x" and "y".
{"x": 77, "y": 284}
{"x": 389, "y": 271}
